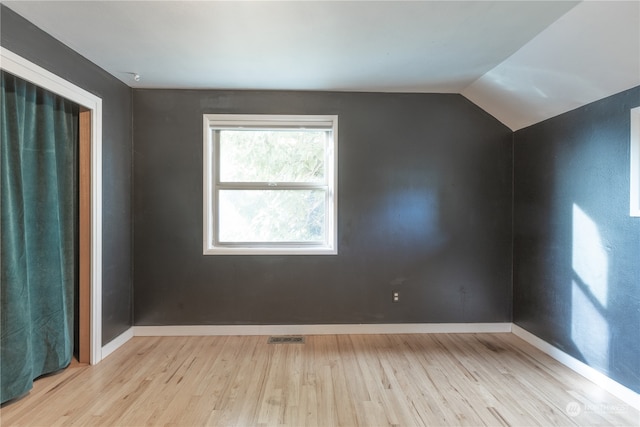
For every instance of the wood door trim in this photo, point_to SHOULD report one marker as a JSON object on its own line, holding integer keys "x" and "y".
{"x": 84, "y": 244}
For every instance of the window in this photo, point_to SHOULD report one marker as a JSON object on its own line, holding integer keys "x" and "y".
{"x": 635, "y": 162}
{"x": 270, "y": 184}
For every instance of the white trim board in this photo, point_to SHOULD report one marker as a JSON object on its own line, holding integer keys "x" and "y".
{"x": 338, "y": 329}
{"x": 117, "y": 342}
{"x": 37, "y": 75}
{"x": 623, "y": 393}
{"x": 634, "y": 151}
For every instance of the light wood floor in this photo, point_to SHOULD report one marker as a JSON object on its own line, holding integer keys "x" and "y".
{"x": 346, "y": 380}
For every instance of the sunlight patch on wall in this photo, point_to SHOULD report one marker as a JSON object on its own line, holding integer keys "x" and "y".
{"x": 589, "y": 325}
{"x": 590, "y": 261}
{"x": 589, "y": 328}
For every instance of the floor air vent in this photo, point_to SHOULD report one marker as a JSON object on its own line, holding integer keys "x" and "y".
{"x": 286, "y": 340}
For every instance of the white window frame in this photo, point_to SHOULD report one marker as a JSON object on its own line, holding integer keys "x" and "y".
{"x": 211, "y": 184}
{"x": 634, "y": 196}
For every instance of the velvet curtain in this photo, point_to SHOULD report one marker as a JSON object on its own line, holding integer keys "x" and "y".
{"x": 38, "y": 172}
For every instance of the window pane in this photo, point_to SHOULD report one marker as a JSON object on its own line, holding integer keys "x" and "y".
{"x": 272, "y": 155}
{"x": 272, "y": 216}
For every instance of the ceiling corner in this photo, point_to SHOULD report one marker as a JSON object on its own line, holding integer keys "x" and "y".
{"x": 589, "y": 53}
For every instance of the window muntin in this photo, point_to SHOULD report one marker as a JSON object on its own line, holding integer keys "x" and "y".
{"x": 269, "y": 185}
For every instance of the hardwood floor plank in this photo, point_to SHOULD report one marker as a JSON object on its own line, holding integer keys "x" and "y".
{"x": 345, "y": 380}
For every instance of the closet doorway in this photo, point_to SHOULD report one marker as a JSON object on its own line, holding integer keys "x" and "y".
{"x": 90, "y": 198}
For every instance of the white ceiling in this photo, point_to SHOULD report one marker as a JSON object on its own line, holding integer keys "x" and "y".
{"x": 590, "y": 53}
{"x": 521, "y": 61}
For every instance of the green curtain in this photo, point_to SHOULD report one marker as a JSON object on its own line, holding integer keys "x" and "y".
{"x": 39, "y": 132}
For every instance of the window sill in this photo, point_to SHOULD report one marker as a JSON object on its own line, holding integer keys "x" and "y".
{"x": 270, "y": 251}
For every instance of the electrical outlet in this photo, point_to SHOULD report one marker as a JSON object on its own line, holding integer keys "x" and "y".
{"x": 395, "y": 296}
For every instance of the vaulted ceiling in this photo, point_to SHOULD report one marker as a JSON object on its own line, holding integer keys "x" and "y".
{"x": 521, "y": 61}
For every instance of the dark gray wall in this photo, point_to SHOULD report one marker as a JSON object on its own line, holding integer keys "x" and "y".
{"x": 28, "y": 41}
{"x": 572, "y": 185}
{"x": 425, "y": 207}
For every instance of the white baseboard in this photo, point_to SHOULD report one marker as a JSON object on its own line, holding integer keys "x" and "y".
{"x": 340, "y": 329}
{"x": 386, "y": 328}
{"x": 623, "y": 393}
{"x": 117, "y": 342}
